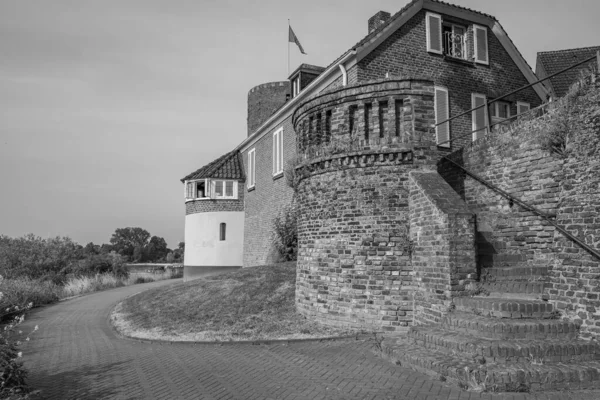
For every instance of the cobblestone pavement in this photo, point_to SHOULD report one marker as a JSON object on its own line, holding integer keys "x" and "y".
{"x": 77, "y": 355}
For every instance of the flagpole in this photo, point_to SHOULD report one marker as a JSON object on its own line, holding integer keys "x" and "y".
{"x": 288, "y": 42}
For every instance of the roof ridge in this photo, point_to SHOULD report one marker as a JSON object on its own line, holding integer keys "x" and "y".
{"x": 565, "y": 50}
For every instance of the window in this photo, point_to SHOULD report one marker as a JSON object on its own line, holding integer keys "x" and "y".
{"x": 222, "y": 232}
{"x": 251, "y": 167}
{"x": 479, "y": 116}
{"x": 442, "y": 113}
{"x": 522, "y": 107}
{"x": 196, "y": 189}
{"x": 278, "y": 151}
{"x": 480, "y": 44}
{"x": 454, "y": 40}
{"x": 230, "y": 189}
{"x": 296, "y": 86}
{"x": 451, "y": 39}
{"x": 500, "y": 110}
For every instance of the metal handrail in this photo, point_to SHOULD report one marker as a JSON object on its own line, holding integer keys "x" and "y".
{"x": 528, "y": 207}
{"x": 517, "y": 90}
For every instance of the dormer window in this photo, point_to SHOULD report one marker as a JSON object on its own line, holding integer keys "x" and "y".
{"x": 450, "y": 39}
{"x": 454, "y": 40}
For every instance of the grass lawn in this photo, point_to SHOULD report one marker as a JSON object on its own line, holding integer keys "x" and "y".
{"x": 249, "y": 304}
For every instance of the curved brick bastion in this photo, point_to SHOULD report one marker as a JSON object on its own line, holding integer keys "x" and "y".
{"x": 359, "y": 144}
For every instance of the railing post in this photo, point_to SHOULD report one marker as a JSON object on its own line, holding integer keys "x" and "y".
{"x": 598, "y": 61}
{"x": 486, "y": 113}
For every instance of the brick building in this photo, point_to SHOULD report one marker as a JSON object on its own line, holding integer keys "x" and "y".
{"x": 409, "y": 222}
{"x": 466, "y": 55}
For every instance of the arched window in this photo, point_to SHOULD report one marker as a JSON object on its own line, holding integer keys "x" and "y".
{"x": 222, "y": 231}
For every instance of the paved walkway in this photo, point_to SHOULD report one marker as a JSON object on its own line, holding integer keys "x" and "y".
{"x": 76, "y": 355}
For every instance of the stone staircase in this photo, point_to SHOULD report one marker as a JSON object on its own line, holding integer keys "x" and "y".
{"x": 506, "y": 338}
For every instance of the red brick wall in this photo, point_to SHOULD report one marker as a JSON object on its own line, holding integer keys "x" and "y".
{"x": 575, "y": 276}
{"x": 567, "y": 187}
{"x": 263, "y": 101}
{"x": 442, "y": 233}
{"x": 267, "y": 199}
{"x": 353, "y": 262}
{"x": 509, "y": 235}
{"x": 404, "y": 54}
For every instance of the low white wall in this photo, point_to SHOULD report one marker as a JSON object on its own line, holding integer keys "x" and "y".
{"x": 202, "y": 244}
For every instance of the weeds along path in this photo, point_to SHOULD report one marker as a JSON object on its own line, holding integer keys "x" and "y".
{"x": 77, "y": 355}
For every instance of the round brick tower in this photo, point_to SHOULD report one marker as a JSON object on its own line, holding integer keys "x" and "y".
{"x": 264, "y": 100}
{"x": 359, "y": 144}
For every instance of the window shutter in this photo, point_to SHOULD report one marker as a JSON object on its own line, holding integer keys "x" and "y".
{"x": 251, "y": 168}
{"x": 481, "y": 44}
{"x": 479, "y": 116}
{"x": 522, "y": 107}
{"x": 434, "y": 32}
{"x": 281, "y": 151}
{"x": 275, "y": 147}
{"x": 442, "y": 132}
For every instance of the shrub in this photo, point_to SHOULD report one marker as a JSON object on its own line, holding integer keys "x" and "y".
{"x": 12, "y": 374}
{"x": 285, "y": 233}
{"x": 22, "y": 291}
{"x": 100, "y": 264}
{"x": 33, "y": 257}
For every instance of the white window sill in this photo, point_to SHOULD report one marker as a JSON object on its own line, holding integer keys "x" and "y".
{"x": 208, "y": 198}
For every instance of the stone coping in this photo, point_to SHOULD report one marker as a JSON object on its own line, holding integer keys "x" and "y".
{"x": 351, "y": 159}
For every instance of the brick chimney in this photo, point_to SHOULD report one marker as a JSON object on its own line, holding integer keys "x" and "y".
{"x": 378, "y": 19}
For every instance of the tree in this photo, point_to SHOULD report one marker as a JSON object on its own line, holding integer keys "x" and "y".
{"x": 156, "y": 249}
{"x": 179, "y": 252}
{"x": 91, "y": 249}
{"x": 125, "y": 240}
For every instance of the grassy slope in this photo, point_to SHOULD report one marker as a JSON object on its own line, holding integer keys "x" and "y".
{"x": 249, "y": 304}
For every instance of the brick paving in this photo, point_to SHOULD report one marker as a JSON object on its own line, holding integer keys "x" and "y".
{"x": 77, "y": 355}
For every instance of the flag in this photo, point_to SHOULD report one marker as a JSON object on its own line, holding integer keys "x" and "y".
{"x": 293, "y": 39}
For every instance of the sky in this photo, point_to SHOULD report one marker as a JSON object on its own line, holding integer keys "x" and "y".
{"x": 106, "y": 104}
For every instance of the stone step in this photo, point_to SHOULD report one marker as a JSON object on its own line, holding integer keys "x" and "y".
{"x": 504, "y": 308}
{"x": 468, "y": 373}
{"x": 508, "y": 329}
{"x": 545, "y": 351}
{"x": 532, "y": 288}
{"x": 520, "y": 273}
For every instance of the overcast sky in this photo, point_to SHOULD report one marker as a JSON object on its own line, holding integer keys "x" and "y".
{"x": 106, "y": 104}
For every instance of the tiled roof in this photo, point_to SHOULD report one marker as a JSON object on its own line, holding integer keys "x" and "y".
{"x": 554, "y": 61}
{"x": 228, "y": 166}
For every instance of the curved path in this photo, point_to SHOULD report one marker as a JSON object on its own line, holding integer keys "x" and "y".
{"x": 77, "y": 355}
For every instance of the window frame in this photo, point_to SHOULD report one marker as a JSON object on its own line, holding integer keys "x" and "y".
{"x": 278, "y": 152}
{"x": 252, "y": 168}
{"x": 222, "y": 232}
{"x": 215, "y": 182}
{"x": 210, "y": 192}
{"x": 452, "y": 52}
{"x": 474, "y": 116}
{"x": 495, "y": 111}
{"x": 523, "y": 104}
{"x": 194, "y": 186}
